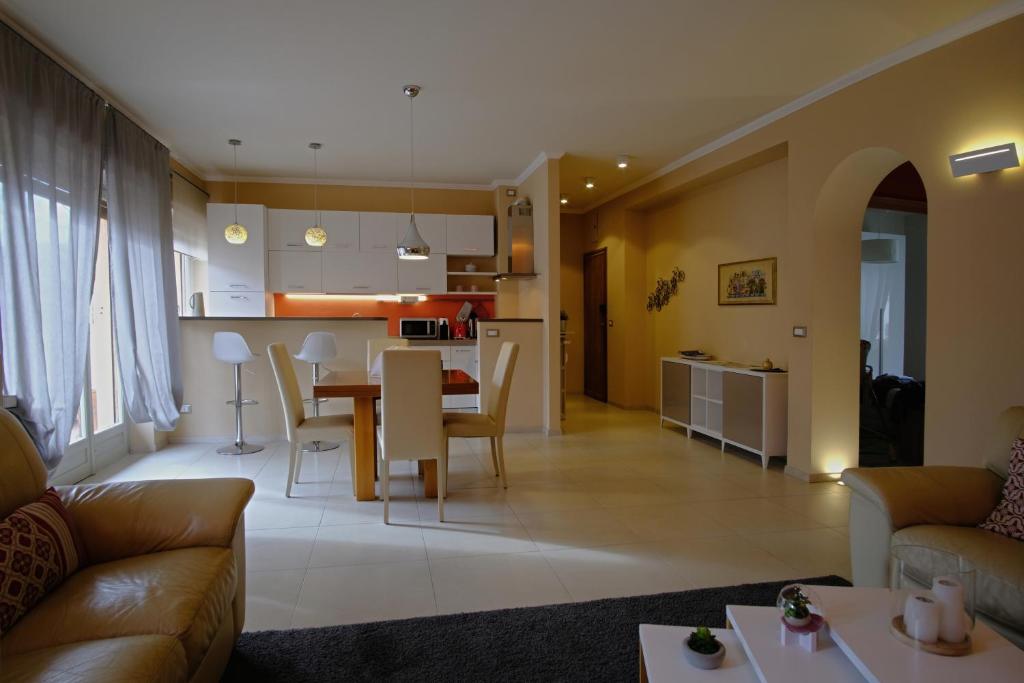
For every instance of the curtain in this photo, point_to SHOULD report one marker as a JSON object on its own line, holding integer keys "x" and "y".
{"x": 142, "y": 288}
{"x": 50, "y": 161}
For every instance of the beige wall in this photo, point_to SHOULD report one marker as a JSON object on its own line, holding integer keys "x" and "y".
{"x": 738, "y": 218}
{"x": 571, "y": 281}
{"x": 959, "y": 97}
{"x": 525, "y": 413}
{"x": 208, "y": 383}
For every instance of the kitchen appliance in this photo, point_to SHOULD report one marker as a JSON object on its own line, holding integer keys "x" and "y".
{"x": 417, "y": 328}
{"x": 520, "y": 242}
{"x": 443, "y": 331}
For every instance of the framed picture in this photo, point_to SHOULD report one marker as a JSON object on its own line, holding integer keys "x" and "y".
{"x": 747, "y": 282}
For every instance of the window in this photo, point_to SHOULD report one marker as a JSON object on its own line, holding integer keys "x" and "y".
{"x": 183, "y": 281}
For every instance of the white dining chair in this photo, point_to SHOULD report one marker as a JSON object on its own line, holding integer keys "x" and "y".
{"x": 489, "y": 423}
{"x": 299, "y": 427}
{"x": 411, "y": 425}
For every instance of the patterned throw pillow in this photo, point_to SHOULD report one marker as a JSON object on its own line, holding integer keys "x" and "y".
{"x": 38, "y": 549}
{"x": 1008, "y": 517}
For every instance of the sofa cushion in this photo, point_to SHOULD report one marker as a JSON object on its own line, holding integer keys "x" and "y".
{"x": 38, "y": 549}
{"x": 998, "y": 561}
{"x": 183, "y": 593}
{"x": 1008, "y": 517}
{"x": 133, "y": 659}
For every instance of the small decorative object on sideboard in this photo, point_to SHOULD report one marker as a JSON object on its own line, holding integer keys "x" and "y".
{"x": 798, "y": 625}
{"x": 939, "y": 620}
{"x": 702, "y": 650}
{"x": 665, "y": 290}
{"x": 767, "y": 364}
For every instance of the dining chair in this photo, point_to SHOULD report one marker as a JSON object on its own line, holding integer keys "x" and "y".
{"x": 489, "y": 423}
{"x": 411, "y": 425}
{"x": 377, "y": 345}
{"x": 299, "y": 427}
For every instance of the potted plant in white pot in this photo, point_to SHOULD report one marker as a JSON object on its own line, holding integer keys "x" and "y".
{"x": 703, "y": 650}
{"x": 795, "y": 606}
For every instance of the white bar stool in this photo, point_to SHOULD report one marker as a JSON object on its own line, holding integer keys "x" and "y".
{"x": 230, "y": 347}
{"x": 318, "y": 348}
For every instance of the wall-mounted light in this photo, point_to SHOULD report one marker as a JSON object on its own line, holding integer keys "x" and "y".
{"x": 622, "y": 161}
{"x": 380, "y": 298}
{"x": 984, "y": 160}
{"x": 588, "y": 183}
{"x": 563, "y": 199}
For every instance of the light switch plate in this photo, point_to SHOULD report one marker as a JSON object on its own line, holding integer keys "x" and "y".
{"x": 186, "y": 408}
{"x": 493, "y": 333}
{"x": 799, "y": 330}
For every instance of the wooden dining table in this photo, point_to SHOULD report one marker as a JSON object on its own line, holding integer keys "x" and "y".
{"x": 364, "y": 389}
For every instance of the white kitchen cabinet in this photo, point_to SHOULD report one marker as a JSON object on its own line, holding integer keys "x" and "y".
{"x": 286, "y": 229}
{"x": 432, "y": 230}
{"x": 377, "y": 231}
{"x": 237, "y": 267}
{"x": 470, "y": 235}
{"x": 237, "y": 304}
{"x": 360, "y": 272}
{"x": 296, "y": 271}
{"x": 426, "y": 276}
{"x": 342, "y": 229}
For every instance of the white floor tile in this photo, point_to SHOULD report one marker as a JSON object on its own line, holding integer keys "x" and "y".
{"x": 270, "y": 598}
{"x": 469, "y": 584}
{"x": 367, "y": 544}
{"x": 360, "y": 593}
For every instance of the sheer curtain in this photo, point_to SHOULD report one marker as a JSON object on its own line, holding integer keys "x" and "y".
{"x": 50, "y": 159}
{"x": 142, "y": 286}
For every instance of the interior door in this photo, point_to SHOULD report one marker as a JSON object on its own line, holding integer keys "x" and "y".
{"x": 595, "y": 324}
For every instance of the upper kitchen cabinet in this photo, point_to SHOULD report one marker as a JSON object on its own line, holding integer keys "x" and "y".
{"x": 296, "y": 271}
{"x": 377, "y": 232}
{"x": 360, "y": 272}
{"x": 342, "y": 229}
{"x": 470, "y": 235}
{"x": 237, "y": 267}
{"x": 424, "y": 276}
{"x": 431, "y": 227}
{"x": 286, "y": 229}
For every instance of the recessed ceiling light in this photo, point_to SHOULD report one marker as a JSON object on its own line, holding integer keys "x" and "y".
{"x": 588, "y": 183}
{"x": 564, "y": 199}
{"x": 622, "y": 161}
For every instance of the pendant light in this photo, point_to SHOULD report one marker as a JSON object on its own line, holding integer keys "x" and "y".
{"x": 412, "y": 247}
{"x": 236, "y": 232}
{"x": 316, "y": 236}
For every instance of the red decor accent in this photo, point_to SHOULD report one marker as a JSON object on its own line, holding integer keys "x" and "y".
{"x": 39, "y": 548}
{"x": 435, "y": 306}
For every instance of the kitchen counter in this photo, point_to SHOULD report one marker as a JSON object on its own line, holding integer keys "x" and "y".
{"x": 513, "y": 320}
{"x": 442, "y": 342}
{"x": 279, "y": 318}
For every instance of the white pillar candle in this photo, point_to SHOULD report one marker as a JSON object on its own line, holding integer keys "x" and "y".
{"x": 921, "y": 616}
{"x": 953, "y": 620}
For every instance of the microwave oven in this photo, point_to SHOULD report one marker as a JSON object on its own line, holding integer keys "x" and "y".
{"x": 417, "y": 328}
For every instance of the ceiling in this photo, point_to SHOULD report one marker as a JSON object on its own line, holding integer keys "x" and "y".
{"x": 502, "y": 80}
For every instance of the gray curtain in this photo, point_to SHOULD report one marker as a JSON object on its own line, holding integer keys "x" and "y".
{"x": 50, "y": 160}
{"x": 142, "y": 288}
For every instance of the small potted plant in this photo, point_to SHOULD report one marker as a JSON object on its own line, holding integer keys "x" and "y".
{"x": 703, "y": 650}
{"x": 795, "y": 606}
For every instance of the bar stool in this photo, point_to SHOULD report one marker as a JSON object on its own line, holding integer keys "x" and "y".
{"x": 318, "y": 348}
{"x": 230, "y": 347}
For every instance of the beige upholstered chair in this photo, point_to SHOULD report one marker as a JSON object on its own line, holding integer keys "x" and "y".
{"x": 376, "y": 346}
{"x": 411, "y": 425}
{"x": 299, "y": 427}
{"x": 489, "y": 423}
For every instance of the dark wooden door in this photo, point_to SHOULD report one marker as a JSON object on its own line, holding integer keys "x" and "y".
{"x": 595, "y": 324}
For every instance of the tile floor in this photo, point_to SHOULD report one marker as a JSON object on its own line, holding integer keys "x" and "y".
{"x": 615, "y": 506}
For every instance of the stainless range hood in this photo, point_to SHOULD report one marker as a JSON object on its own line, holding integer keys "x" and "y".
{"x": 520, "y": 242}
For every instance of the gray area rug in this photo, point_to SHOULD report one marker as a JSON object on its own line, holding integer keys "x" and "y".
{"x": 583, "y": 641}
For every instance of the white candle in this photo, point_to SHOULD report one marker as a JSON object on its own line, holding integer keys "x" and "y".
{"x": 921, "y": 616}
{"x": 953, "y": 621}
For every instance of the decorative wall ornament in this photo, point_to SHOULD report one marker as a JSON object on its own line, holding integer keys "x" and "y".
{"x": 665, "y": 290}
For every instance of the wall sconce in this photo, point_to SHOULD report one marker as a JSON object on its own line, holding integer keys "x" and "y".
{"x": 984, "y": 160}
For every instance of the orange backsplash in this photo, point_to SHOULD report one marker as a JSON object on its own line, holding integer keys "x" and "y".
{"x": 434, "y": 307}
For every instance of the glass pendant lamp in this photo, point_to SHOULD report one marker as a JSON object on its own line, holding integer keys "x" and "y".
{"x": 412, "y": 247}
{"x": 236, "y": 232}
{"x": 316, "y": 236}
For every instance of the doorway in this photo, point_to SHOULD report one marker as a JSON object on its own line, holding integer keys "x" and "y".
{"x": 893, "y": 302}
{"x": 595, "y": 324}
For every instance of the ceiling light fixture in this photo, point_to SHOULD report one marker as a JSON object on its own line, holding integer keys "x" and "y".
{"x": 622, "y": 161}
{"x": 984, "y": 160}
{"x": 316, "y": 236}
{"x": 564, "y": 199}
{"x": 588, "y": 183}
{"x": 236, "y": 232}
{"x": 412, "y": 247}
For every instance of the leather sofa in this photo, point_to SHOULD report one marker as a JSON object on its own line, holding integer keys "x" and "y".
{"x": 160, "y": 595}
{"x": 940, "y": 507}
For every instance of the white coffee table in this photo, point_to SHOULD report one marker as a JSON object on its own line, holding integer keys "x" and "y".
{"x": 662, "y": 660}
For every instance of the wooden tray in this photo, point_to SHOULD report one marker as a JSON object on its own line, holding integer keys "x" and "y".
{"x": 939, "y": 647}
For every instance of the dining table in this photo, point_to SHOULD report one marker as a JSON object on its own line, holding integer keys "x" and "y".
{"x": 364, "y": 390}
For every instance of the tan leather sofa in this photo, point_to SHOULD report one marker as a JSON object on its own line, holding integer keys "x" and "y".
{"x": 162, "y": 595}
{"x": 941, "y": 507}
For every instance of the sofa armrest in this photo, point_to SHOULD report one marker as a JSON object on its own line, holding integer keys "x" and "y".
{"x": 953, "y": 496}
{"x": 139, "y": 517}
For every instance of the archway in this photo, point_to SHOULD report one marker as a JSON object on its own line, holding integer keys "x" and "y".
{"x": 835, "y": 299}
